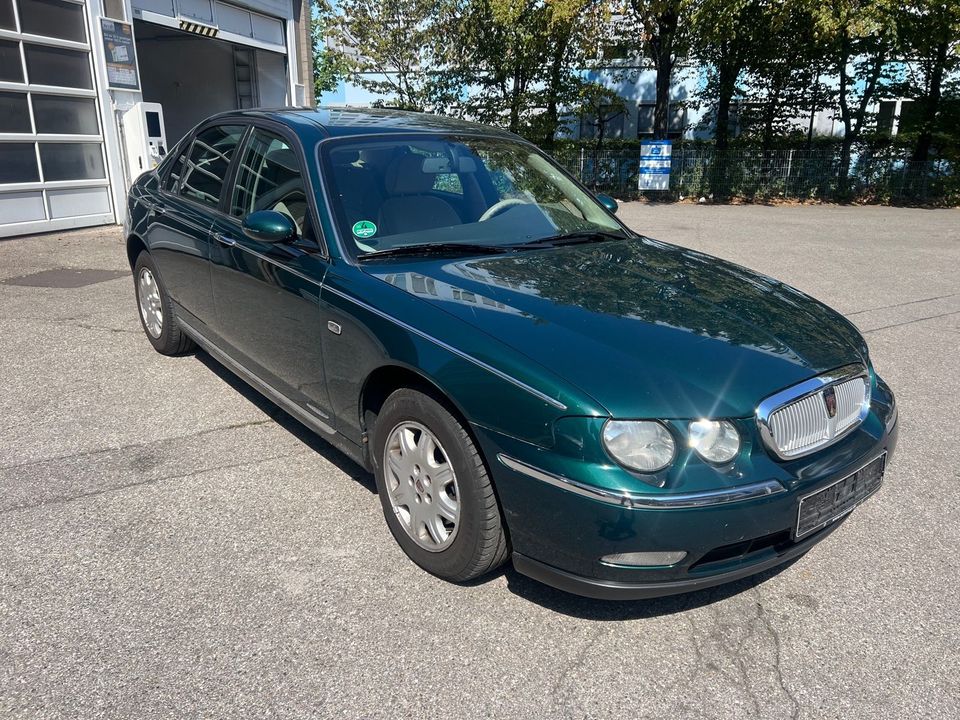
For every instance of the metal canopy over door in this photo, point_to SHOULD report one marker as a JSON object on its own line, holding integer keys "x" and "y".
{"x": 53, "y": 170}
{"x": 228, "y": 22}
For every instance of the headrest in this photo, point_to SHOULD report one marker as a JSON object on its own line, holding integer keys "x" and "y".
{"x": 405, "y": 176}
{"x": 284, "y": 158}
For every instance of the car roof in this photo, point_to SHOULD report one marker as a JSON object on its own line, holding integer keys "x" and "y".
{"x": 343, "y": 122}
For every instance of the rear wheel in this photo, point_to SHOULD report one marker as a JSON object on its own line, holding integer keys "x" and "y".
{"x": 436, "y": 494}
{"x": 156, "y": 311}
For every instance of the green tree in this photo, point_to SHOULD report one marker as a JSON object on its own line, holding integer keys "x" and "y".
{"x": 522, "y": 59}
{"x": 598, "y": 105}
{"x": 329, "y": 67}
{"x": 930, "y": 36}
{"x": 507, "y": 58}
{"x": 723, "y": 36}
{"x": 782, "y": 68}
{"x": 574, "y": 32}
{"x": 859, "y": 39}
{"x": 664, "y": 25}
{"x": 390, "y": 48}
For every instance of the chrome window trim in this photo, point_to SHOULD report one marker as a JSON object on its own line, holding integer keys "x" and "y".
{"x": 646, "y": 501}
{"x": 774, "y": 402}
{"x": 459, "y": 353}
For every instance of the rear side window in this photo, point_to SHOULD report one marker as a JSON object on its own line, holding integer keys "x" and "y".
{"x": 208, "y": 162}
{"x": 176, "y": 170}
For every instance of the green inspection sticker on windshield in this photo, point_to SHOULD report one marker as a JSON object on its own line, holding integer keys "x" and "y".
{"x": 364, "y": 229}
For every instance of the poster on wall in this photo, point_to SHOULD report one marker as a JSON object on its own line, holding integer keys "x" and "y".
{"x": 120, "y": 55}
{"x": 655, "y": 159}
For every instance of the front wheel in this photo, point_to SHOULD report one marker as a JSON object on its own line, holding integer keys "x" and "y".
{"x": 436, "y": 494}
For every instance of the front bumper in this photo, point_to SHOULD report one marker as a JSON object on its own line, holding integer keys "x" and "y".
{"x": 617, "y": 590}
{"x": 559, "y": 531}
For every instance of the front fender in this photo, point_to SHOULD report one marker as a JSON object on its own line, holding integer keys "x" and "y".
{"x": 491, "y": 384}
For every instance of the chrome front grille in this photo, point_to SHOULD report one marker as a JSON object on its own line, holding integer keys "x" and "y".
{"x": 815, "y": 413}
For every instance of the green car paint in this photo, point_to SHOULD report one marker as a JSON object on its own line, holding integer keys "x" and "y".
{"x": 535, "y": 350}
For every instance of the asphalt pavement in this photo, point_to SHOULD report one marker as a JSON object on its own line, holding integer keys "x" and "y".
{"x": 174, "y": 546}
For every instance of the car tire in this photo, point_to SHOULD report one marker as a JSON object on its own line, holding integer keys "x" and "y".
{"x": 156, "y": 311}
{"x": 477, "y": 543}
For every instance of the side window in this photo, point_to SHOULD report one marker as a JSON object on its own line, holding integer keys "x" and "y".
{"x": 269, "y": 179}
{"x": 176, "y": 170}
{"x": 208, "y": 162}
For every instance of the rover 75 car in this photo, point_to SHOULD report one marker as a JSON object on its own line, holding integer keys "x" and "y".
{"x": 527, "y": 379}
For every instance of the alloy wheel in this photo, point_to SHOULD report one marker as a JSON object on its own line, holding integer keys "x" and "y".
{"x": 422, "y": 486}
{"x": 151, "y": 307}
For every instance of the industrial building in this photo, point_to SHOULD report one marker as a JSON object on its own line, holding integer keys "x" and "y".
{"x": 94, "y": 92}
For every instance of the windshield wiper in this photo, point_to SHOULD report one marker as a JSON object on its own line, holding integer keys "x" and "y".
{"x": 579, "y": 237}
{"x": 446, "y": 248}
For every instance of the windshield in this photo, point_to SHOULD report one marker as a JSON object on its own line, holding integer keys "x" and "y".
{"x": 393, "y": 192}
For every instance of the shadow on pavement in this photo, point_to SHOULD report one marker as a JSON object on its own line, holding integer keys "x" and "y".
{"x": 291, "y": 424}
{"x": 617, "y": 610}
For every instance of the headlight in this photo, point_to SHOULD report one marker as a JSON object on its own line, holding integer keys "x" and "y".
{"x": 642, "y": 445}
{"x": 716, "y": 441}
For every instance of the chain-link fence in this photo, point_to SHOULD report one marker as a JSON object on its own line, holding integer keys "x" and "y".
{"x": 776, "y": 174}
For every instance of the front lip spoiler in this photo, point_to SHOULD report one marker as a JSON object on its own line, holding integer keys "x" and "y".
{"x": 599, "y": 589}
{"x": 649, "y": 501}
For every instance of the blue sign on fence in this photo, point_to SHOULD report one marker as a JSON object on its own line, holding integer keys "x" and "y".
{"x": 655, "y": 164}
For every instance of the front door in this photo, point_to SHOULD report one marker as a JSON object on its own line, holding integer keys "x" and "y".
{"x": 268, "y": 296}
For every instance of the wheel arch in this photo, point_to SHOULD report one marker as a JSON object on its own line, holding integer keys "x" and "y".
{"x": 135, "y": 246}
{"x": 385, "y": 379}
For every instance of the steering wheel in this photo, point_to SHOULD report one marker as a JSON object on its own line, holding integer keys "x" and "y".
{"x": 499, "y": 207}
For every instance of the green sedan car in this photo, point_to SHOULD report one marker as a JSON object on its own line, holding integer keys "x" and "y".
{"x": 526, "y": 377}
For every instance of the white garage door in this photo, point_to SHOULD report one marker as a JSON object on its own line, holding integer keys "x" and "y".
{"x": 53, "y": 172}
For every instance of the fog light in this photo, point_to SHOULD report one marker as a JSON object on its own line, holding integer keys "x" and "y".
{"x": 659, "y": 558}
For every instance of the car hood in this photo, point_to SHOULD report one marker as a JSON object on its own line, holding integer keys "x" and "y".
{"x": 645, "y": 328}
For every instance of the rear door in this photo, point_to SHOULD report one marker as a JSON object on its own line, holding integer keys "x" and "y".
{"x": 179, "y": 231}
{"x": 268, "y": 296}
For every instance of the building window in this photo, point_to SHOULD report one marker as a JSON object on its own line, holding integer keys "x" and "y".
{"x": 52, "y": 18}
{"x": 65, "y": 115}
{"x": 7, "y": 20}
{"x": 745, "y": 116}
{"x": 55, "y": 66}
{"x": 71, "y": 161}
{"x": 899, "y": 116}
{"x": 18, "y": 163}
{"x": 113, "y": 9}
{"x": 11, "y": 69}
{"x": 646, "y": 113}
{"x": 14, "y": 113}
{"x": 609, "y": 123}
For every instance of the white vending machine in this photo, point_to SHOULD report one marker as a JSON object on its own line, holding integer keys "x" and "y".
{"x": 144, "y": 137}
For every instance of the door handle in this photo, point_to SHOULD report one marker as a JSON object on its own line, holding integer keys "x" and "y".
{"x": 224, "y": 240}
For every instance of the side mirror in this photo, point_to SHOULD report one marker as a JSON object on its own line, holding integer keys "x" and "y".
{"x": 269, "y": 226}
{"x": 608, "y": 202}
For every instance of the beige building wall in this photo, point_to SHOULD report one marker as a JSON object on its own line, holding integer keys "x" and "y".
{"x": 304, "y": 49}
